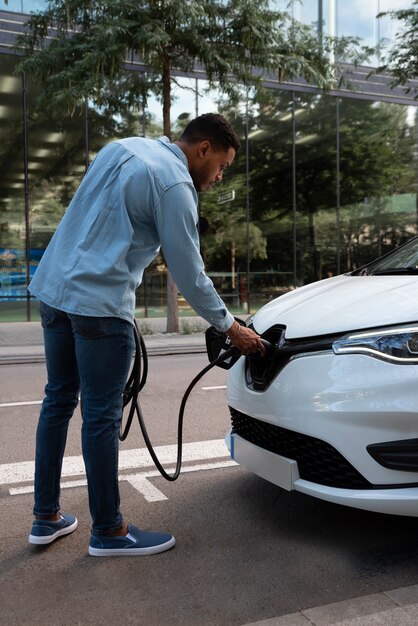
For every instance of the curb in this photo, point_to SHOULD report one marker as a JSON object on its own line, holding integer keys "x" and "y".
{"x": 158, "y": 344}
{"x": 22, "y": 359}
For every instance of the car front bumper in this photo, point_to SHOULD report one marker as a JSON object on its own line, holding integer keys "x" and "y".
{"x": 317, "y": 418}
{"x": 284, "y": 473}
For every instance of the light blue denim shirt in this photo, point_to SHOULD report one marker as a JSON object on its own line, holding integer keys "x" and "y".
{"x": 137, "y": 195}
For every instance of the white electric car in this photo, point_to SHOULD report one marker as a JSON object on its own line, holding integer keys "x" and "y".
{"x": 332, "y": 412}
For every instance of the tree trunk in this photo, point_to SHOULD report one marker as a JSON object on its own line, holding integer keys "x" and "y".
{"x": 233, "y": 255}
{"x": 172, "y": 292}
{"x": 312, "y": 245}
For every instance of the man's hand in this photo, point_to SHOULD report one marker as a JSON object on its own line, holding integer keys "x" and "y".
{"x": 244, "y": 339}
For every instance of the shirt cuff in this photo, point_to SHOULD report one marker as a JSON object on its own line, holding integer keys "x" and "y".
{"x": 226, "y": 323}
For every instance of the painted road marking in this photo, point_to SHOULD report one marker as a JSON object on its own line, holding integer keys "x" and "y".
{"x": 138, "y": 481}
{"x": 7, "y": 404}
{"x": 128, "y": 459}
{"x": 214, "y": 387}
{"x": 135, "y": 459}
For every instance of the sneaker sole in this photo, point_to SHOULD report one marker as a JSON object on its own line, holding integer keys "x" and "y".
{"x": 41, "y": 541}
{"x": 132, "y": 551}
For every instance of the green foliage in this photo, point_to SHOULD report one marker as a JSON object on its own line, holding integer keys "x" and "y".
{"x": 228, "y": 227}
{"x": 237, "y": 42}
{"x": 188, "y": 328}
{"x": 146, "y": 328}
{"x": 376, "y": 163}
{"x": 402, "y": 59}
{"x": 376, "y": 144}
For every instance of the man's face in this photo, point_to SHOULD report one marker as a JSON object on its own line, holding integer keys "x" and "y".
{"x": 209, "y": 165}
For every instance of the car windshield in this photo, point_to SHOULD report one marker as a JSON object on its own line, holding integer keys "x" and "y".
{"x": 403, "y": 260}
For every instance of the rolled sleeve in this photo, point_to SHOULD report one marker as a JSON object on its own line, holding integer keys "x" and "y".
{"x": 176, "y": 218}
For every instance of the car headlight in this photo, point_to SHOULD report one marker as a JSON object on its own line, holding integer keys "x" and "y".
{"x": 398, "y": 344}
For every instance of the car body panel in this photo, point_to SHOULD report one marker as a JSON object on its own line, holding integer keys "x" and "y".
{"x": 341, "y": 304}
{"x": 349, "y": 403}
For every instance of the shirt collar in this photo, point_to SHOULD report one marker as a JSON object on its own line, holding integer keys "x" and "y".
{"x": 174, "y": 148}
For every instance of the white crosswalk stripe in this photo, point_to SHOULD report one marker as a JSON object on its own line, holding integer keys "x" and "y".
{"x": 137, "y": 459}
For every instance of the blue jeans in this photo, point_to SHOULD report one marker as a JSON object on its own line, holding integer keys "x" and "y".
{"x": 91, "y": 356}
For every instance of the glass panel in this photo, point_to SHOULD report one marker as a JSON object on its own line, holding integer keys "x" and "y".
{"x": 357, "y": 18}
{"x": 316, "y": 228}
{"x": 282, "y": 5}
{"x": 306, "y": 11}
{"x": 12, "y": 204}
{"x": 271, "y": 198}
{"x": 23, "y": 6}
{"x": 16, "y": 6}
{"x": 378, "y": 179}
{"x": 223, "y": 218}
{"x": 387, "y": 26}
{"x": 30, "y": 6}
{"x": 268, "y": 202}
{"x": 57, "y": 163}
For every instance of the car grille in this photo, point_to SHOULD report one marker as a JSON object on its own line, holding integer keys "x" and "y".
{"x": 317, "y": 460}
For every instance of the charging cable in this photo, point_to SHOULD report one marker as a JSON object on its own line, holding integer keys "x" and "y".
{"x": 136, "y": 382}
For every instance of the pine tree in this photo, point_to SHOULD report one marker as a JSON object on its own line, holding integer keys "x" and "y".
{"x": 236, "y": 43}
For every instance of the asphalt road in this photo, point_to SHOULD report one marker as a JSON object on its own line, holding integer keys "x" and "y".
{"x": 246, "y": 550}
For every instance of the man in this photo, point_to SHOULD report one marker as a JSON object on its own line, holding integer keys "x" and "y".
{"x": 138, "y": 194}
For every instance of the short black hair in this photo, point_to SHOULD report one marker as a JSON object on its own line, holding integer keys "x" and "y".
{"x": 214, "y": 128}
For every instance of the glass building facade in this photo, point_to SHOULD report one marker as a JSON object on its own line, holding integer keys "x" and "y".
{"x": 323, "y": 184}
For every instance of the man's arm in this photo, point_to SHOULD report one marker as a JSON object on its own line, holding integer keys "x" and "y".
{"x": 176, "y": 219}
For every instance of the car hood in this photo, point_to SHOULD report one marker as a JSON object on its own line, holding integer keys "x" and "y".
{"x": 342, "y": 303}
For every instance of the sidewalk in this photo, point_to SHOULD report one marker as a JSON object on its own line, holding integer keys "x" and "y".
{"x": 397, "y": 607}
{"x": 22, "y": 342}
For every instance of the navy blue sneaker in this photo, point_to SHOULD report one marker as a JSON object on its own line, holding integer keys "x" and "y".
{"x": 44, "y": 531}
{"x": 136, "y": 542}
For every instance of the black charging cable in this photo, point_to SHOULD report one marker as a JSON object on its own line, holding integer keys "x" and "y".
{"x": 136, "y": 382}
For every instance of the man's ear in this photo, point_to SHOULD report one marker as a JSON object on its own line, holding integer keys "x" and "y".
{"x": 204, "y": 148}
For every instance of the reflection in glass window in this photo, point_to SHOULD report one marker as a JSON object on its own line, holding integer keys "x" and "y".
{"x": 223, "y": 213}
{"x": 315, "y": 149}
{"x": 306, "y": 12}
{"x": 189, "y": 97}
{"x": 353, "y": 18}
{"x": 388, "y": 27}
{"x": 12, "y": 202}
{"x": 377, "y": 179}
{"x": 300, "y": 227}
{"x": 24, "y": 6}
{"x": 357, "y": 18}
{"x": 271, "y": 195}
{"x": 252, "y": 261}
{"x": 282, "y": 5}
{"x": 56, "y": 165}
